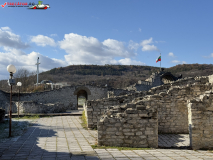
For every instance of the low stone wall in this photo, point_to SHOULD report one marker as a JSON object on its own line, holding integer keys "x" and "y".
{"x": 201, "y": 121}
{"x": 180, "y": 83}
{"x": 135, "y": 127}
{"x": 34, "y": 107}
{"x": 2, "y": 115}
{"x": 4, "y": 99}
{"x": 118, "y": 92}
{"x": 143, "y": 86}
{"x": 172, "y": 106}
{"x": 66, "y": 95}
{"x": 172, "y": 110}
{"x": 94, "y": 109}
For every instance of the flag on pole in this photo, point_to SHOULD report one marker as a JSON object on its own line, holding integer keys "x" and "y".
{"x": 159, "y": 59}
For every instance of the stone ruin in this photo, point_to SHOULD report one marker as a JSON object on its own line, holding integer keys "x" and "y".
{"x": 2, "y": 115}
{"x": 156, "y": 79}
{"x": 135, "y": 119}
{"x": 52, "y": 101}
{"x": 134, "y": 116}
{"x": 66, "y": 97}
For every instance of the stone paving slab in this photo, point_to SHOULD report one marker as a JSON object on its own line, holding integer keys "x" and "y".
{"x": 62, "y": 137}
{"x": 173, "y": 140}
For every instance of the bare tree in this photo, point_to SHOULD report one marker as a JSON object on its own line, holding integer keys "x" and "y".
{"x": 25, "y": 77}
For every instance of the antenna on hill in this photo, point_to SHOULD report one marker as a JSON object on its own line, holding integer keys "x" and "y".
{"x": 37, "y": 69}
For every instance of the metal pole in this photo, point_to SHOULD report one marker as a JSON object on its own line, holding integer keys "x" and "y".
{"x": 160, "y": 61}
{"x": 37, "y": 71}
{"x": 10, "y": 124}
{"x": 18, "y": 101}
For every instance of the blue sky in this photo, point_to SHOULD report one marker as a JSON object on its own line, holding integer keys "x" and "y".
{"x": 106, "y": 32}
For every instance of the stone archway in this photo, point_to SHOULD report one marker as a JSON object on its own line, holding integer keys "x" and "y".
{"x": 167, "y": 78}
{"x": 82, "y": 92}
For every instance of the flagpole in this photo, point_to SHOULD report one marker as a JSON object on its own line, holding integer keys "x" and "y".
{"x": 160, "y": 61}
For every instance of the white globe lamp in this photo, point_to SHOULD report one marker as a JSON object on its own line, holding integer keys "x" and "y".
{"x": 19, "y": 84}
{"x": 11, "y": 68}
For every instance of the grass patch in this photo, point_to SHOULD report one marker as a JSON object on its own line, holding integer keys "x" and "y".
{"x": 84, "y": 120}
{"x": 119, "y": 148}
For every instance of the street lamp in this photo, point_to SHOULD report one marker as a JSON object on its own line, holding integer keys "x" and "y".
{"x": 19, "y": 86}
{"x": 11, "y": 69}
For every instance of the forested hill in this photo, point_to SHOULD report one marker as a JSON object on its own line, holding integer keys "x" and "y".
{"x": 101, "y": 70}
{"x": 115, "y": 76}
{"x": 119, "y": 76}
{"x": 139, "y": 71}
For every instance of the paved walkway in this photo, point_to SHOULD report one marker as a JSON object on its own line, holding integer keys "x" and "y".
{"x": 173, "y": 140}
{"x": 63, "y": 138}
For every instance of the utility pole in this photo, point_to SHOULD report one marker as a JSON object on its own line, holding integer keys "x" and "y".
{"x": 37, "y": 69}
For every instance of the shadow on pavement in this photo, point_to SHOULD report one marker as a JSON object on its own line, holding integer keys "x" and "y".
{"x": 39, "y": 142}
{"x": 179, "y": 141}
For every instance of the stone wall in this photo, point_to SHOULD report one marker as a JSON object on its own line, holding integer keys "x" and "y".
{"x": 181, "y": 83}
{"x": 4, "y": 99}
{"x": 97, "y": 92}
{"x": 210, "y": 79}
{"x": 2, "y": 115}
{"x": 63, "y": 96}
{"x": 32, "y": 107}
{"x": 95, "y": 108}
{"x": 172, "y": 112}
{"x": 132, "y": 127}
{"x": 201, "y": 121}
{"x": 172, "y": 106}
{"x": 26, "y": 107}
{"x": 118, "y": 92}
{"x": 143, "y": 86}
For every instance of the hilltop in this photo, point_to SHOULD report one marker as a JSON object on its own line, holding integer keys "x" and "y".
{"x": 120, "y": 76}
{"x": 116, "y": 76}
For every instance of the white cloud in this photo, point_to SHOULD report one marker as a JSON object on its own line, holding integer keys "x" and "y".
{"x": 171, "y": 54}
{"x": 133, "y": 45}
{"x": 89, "y": 50}
{"x": 139, "y": 29}
{"x": 211, "y": 55}
{"x": 22, "y": 60}
{"x": 147, "y": 47}
{"x": 41, "y": 40}
{"x": 5, "y": 29}
{"x": 128, "y": 61}
{"x": 178, "y": 62}
{"x": 9, "y": 39}
{"x": 79, "y": 49}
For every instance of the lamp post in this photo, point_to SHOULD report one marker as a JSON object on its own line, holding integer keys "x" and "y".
{"x": 11, "y": 69}
{"x": 19, "y": 86}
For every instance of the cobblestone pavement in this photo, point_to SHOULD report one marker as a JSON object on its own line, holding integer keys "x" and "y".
{"x": 63, "y": 138}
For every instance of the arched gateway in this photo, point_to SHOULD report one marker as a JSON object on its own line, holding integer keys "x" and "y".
{"x": 82, "y": 92}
